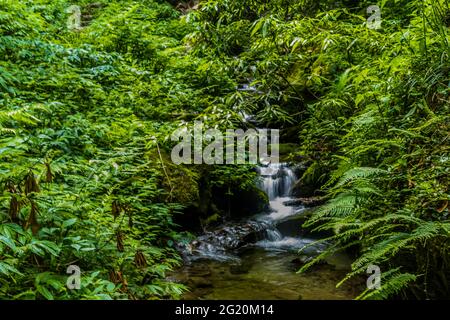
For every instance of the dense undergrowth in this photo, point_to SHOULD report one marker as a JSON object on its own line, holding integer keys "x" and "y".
{"x": 85, "y": 116}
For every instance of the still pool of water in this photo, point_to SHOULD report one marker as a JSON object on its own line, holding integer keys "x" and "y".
{"x": 263, "y": 274}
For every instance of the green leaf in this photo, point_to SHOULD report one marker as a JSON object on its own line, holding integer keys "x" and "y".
{"x": 68, "y": 223}
{"x": 7, "y": 269}
{"x": 45, "y": 292}
{"x": 8, "y": 242}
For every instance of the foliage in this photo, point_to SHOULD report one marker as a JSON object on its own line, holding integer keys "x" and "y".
{"x": 372, "y": 111}
{"x": 80, "y": 181}
{"x": 86, "y": 117}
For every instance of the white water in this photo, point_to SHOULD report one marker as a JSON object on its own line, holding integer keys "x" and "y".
{"x": 286, "y": 242}
{"x": 274, "y": 235}
{"x": 280, "y": 210}
{"x": 277, "y": 182}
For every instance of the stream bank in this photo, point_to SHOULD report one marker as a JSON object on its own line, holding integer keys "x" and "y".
{"x": 258, "y": 257}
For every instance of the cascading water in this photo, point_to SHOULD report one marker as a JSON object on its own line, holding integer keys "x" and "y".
{"x": 273, "y": 234}
{"x": 277, "y": 181}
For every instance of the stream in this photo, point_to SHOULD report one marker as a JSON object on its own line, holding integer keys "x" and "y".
{"x": 258, "y": 258}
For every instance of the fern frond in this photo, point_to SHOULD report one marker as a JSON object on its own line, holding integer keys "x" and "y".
{"x": 391, "y": 284}
{"x": 359, "y": 173}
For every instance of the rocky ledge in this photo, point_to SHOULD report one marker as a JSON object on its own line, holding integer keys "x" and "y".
{"x": 307, "y": 202}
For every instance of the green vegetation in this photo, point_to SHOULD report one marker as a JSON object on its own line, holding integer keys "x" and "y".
{"x": 86, "y": 116}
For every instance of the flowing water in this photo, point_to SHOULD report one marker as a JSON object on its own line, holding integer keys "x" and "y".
{"x": 258, "y": 258}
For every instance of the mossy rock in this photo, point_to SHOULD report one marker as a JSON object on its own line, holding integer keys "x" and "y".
{"x": 249, "y": 202}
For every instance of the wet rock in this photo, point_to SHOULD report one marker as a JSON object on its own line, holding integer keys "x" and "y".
{"x": 307, "y": 202}
{"x": 293, "y": 203}
{"x": 247, "y": 202}
{"x": 305, "y": 190}
{"x": 228, "y": 237}
{"x": 293, "y": 226}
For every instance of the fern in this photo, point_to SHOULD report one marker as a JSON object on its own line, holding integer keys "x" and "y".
{"x": 392, "y": 283}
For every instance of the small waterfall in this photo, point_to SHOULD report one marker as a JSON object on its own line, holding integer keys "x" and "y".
{"x": 289, "y": 180}
{"x": 273, "y": 235}
{"x": 277, "y": 182}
